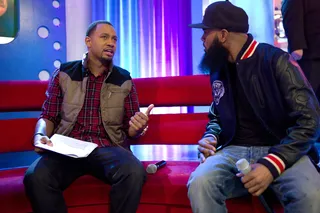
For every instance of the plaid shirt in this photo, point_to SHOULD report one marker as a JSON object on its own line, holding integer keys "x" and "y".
{"x": 88, "y": 126}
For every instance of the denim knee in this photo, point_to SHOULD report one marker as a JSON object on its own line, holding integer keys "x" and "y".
{"x": 32, "y": 179}
{"x": 307, "y": 196}
{"x": 313, "y": 197}
{"x": 205, "y": 184}
{"x": 197, "y": 185}
{"x": 134, "y": 171}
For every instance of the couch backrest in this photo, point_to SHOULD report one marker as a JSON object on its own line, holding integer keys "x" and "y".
{"x": 20, "y": 96}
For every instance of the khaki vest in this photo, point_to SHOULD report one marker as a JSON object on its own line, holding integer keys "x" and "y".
{"x": 73, "y": 77}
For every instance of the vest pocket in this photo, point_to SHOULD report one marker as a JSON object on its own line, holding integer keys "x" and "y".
{"x": 113, "y": 116}
{"x": 114, "y": 97}
{"x": 257, "y": 90}
{"x": 113, "y": 106}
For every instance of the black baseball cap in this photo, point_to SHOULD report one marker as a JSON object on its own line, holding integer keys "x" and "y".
{"x": 224, "y": 15}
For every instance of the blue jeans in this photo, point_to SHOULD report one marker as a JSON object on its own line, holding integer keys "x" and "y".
{"x": 47, "y": 178}
{"x": 214, "y": 181}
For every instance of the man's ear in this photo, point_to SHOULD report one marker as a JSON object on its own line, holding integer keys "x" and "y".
{"x": 88, "y": 41}
{"x": 223, "y": 35}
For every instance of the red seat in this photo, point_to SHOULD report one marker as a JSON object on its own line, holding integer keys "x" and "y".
{"x": 167, "y": 188}
{"x": 164, "y": 192}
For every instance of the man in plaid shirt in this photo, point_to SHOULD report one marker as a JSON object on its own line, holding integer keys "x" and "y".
{"x": 94, "y": 101}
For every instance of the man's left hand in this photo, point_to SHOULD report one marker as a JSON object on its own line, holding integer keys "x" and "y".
{"x": 258, "y": 180}
{"x": 140, "y": 120}
{"x": 297, "y": 54}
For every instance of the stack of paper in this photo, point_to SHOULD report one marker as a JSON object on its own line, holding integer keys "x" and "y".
{"x": 69, "y": 146}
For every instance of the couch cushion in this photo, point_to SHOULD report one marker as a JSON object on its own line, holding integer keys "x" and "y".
{"x": 167, "y": 186}
{"x": 17, "y": 134}
{"x": 12, "y": 196}
{"x": 192, "y": 90}
{"x": 161, "y": 91}
{"x": 163, "y": 129}
{"x": 174, "y": 129}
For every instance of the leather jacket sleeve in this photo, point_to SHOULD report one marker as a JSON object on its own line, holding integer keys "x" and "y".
{"x": 213, "y": 127}
{"x": 303, "y": 108}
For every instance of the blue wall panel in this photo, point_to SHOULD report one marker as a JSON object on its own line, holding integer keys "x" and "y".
{"x": 28, "y": 54}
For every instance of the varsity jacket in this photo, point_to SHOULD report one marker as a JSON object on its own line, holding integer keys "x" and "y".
{"x": 281, "y": 98}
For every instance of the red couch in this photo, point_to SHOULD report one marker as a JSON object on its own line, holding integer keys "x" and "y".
{"x": 164, "y": 192}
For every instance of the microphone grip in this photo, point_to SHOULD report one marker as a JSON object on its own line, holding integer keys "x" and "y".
{"x": 161, "y": 164}
{"x": 265, "y": 204}
{"x": 244, "y": 167}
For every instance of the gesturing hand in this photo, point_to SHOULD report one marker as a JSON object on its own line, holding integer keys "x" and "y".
{"x": 140, "y": 120}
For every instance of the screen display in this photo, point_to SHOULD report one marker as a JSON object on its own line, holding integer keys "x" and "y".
{"x": 9, "y": 18}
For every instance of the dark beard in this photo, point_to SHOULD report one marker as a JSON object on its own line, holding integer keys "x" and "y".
{"x": 214, "y": 58}
{"x": 105, "y": 62}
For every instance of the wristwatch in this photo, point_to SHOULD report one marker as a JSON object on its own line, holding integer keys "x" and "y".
{"x": 144, "y": 131}
{"x": 38, "y": 133}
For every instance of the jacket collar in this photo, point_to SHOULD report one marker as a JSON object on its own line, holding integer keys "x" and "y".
{"x": 248, "y": 48}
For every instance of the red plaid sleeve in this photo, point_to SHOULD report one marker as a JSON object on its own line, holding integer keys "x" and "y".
{"x": 131, "y": 106}
{"x": 52, "y": 105}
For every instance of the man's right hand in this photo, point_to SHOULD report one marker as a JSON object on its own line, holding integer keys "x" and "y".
{"x": 207, "y": 147}
{"x": 41, "y": 139}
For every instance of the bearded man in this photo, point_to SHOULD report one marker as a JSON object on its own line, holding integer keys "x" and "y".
{"x": 264, "y": 110}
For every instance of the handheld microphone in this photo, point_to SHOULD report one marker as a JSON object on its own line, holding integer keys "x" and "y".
{"x": 152, "y": 168}
{"x": 244, "y": 167}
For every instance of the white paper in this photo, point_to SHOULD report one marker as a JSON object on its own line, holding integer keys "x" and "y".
{"x": 69, "y": 146}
